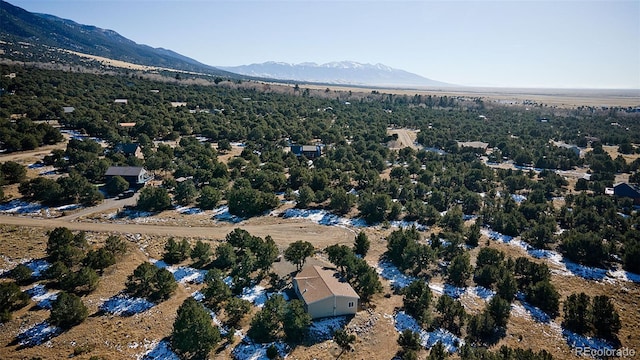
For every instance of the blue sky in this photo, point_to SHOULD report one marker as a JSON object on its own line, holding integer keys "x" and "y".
{"x": 551, "y": 44}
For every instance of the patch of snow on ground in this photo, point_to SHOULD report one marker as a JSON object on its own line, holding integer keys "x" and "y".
{"x": 41, "y": 296}
{"x": 197, "y": 295}
{"x": 408, "y": 224}
{"x": 125, "y": 305}
{"x": 256, "y": 295}
{"x": 182, "y": 274}
{"x": 537, "y": 314}
{"x": 68, "y": 207}
{"x": 427, "y": 339}
{"x": 518, "y": 198}
{"x": 578, "y": 341}
{"x": 185, "y": 274}
{"x": 38, "y": 266}
{"x": 482, "y": 292}
{"x": 222, "y": 214}
{"x": 323, "y": 329}
{"x": 248, "y": 350}
{"x": 453, "y": 291}
{"x": 37, "y": 334}
{"x": 624, "y": 275}
{"x": 21, "y": 207}
{"x": 188, "y": 210}
{"x": 162, "y": 351}
{"x": 390, "y": 272}
{"x": 322, "y": 217}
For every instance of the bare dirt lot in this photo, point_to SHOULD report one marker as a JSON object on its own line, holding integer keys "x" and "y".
{"x": 406, "y": 138}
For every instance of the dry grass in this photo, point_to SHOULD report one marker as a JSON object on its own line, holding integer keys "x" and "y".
{"x": 114, "y": 337}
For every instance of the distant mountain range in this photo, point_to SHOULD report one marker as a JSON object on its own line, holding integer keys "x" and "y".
{"x": 44, "y": 32}
{"x": 343, "y": 72}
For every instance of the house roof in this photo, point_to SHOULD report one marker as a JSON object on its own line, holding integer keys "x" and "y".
{"x": 129, "y": 148}
{"x": 124, "y": 171}
{"x": 474, "y": 144}
{"x": 316, "y": 283}
{"x": 310, "y": 148}
{"x": 626, "y": 186}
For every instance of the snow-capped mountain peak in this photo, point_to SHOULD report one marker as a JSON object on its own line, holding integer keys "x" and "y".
{"x": 337, "y": 72}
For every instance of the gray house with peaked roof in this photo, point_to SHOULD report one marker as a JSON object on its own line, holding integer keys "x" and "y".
{"x": 324, "y": 292}
{"x": 627, "y": 190}
{"x": 135, "y": 175}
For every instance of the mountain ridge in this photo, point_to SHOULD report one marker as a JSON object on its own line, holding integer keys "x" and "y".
{"x": 336, "y": 72}
{"x": 49, "y": 30}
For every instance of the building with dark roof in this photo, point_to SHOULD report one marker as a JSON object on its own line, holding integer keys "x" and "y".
{"x": 135, "y": 175}
{"x": 309, "y": 151}
{"x": 627, "y": 190}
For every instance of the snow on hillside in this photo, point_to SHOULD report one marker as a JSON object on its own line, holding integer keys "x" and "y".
{"x": 563, "y": 266}
{"x": 22, "y": 207}
{"x": 124, "y": 305}
{"x": 37, "y": 334}
{"x": 248, "y": 350}
{"x": 222, "y": 214}
{"x": 428, "y": 339}
{"x": 161, "y": 351}
{"x": 41, "y": 296}
{"x": 323, "y": 329}
{"x": 38, "y": 266}
{"x": 256, "y": 295}
{"x": 182, "y": 274}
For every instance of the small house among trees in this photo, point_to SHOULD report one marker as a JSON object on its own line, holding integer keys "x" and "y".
{"x": 627, "y": 190}
{"x": 324, "y": 293}
{"x": 309, "y": 151}
{"x": 135, "y": 175}
{"x": 130, "y": 149}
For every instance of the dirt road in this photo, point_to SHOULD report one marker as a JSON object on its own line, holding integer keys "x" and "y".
{"x": 282, "y": 231}
{"x": 107, "y": 204}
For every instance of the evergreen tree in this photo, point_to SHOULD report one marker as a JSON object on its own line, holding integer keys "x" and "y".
{"x": 216, "y": 291}
{"x": 201, "y": 253}
{"x": 473, "y": 235}
{"x": 459, "y": 269}
{"x": 605, "y": 318}
{"x": 438, "y": 352}
{"x": 116, "y": 185}
{"x": 225, "y": 256}
{"x": 344, "y": 340}
{"x": 417, "y": 300}
{"x": 298, "y": 252}
{"x": 67, "y": 311}
{"x": 235, "y": 309}
{"x": 175, "y": 252}
{"x": 296, "y": 321}
{"x": 11, "y": 298}
{"x": 21, "y": 274}
{"x": 362, "y": 244}
{"x": 99, "y": 259}
{"x": 115, "y": 245}
{"x": 209, "y": 198}
{"x": 193, "y": 334}
{"x": 305, "y": 196}
{"x": 409, "y": 340}
{"x": 452, "y": 314}
{"x": 266, "y": 324}
{"x": 154, "y": 199}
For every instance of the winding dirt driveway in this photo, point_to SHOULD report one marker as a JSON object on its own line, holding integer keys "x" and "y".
{"x": 282, "y": 231}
